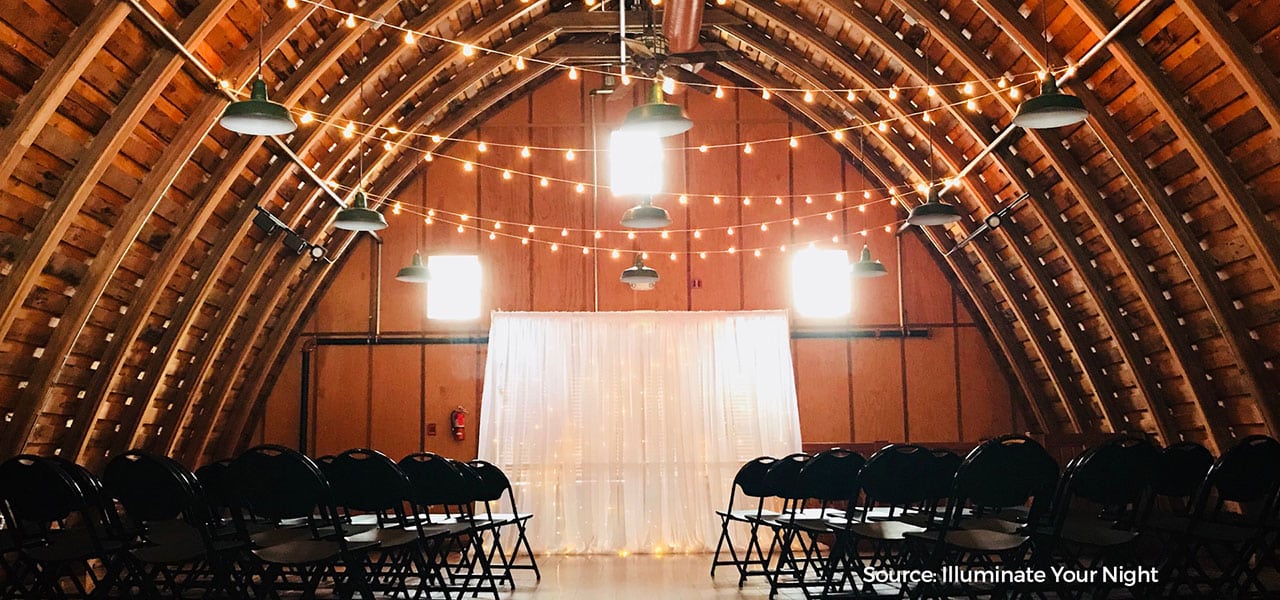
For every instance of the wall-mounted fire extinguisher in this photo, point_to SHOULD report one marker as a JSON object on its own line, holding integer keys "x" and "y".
{"x": 458, "y": 423}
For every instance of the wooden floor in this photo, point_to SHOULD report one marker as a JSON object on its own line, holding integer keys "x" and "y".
{"x": 636, "y": 577}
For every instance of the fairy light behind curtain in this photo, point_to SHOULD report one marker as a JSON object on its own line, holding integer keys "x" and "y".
{"x": 623, "y": 431}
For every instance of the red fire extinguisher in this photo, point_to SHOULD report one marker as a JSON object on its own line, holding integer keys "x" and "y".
{"x": 458, "y": 423}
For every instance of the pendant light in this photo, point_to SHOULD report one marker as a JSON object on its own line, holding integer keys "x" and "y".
{"x": 646, "y": 216}
{"x": 866, "y": 268}
{"x": 640, "y": 277}
{"x": 416, "y": 272}
{"x": 258, "y": 115}
{"x": 1051, "y": 108}
{"x": 934, "y": 211}
{"x": 358, "y": 216}
{"x": 657, "y": 117}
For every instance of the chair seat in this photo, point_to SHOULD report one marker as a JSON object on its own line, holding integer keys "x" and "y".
{"x": 1097, "y": 535}
{"x": 748, "y": 514}
{"x": 885, "y": 530}
{"x": 73, "y": 545}
{"x": 179, "y": 553}
{"x": 385, "y": 537}
{"x": 977, "y": 540}
{"x": 307, "y": 552}
{"x": 365, "y": 519}
{"x": 991, "y": 524}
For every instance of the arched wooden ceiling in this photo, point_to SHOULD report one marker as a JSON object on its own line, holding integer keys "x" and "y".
{"x": 1138, "y": 289}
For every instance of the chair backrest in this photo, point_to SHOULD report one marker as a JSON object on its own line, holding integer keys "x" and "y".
{"x": 832, "y": 475}
{"x": 1248, "y": 474}
{"x": 368, "y": 481}
{"x": 1115, "y": 474}
{"x": 494, "y": 482}
{"x": 36, "y": 491}
{"x": 751, "y": 477}
{"x": 281, "y": 483}
{"x": 942, "y": 472}
{"x": 783, "y": 478}
{"x": 148, "y": 487}
{"x": 1004, "y": 472}
{"x": 1180, "y": 470}
{"x": 898, "y": 475}
{"x": 433, "y": 479}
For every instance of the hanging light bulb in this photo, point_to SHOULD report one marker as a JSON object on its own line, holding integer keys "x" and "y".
{"x": 1050, "y": 109}
{"x": 416, "y": 272}
{"x": 519, "y": 63}
{"x": 359, "y": 217}
{"x": 839, "y": 197}
{"x": 747, "y": 148}
{"x": 639, "y": 276}
{"x": 646, "y": 216}
{"x": 291, "y": 3}
{"x": 350, "y": 130}
{"x": 893, "y": 93}
{"x": 968, "y": 88}
{"x": 306, "y": 117}
{"x": 793, "y": 142}
{"x": 934, "y": 211}
{"x": 544, "y": 182}
{"x": 506, "y": 174}
{"x": 468, "y": 50}
{"x": 351, "y": 21}
{"x": 573, "y": 73}
{"x": 808, "y": 97}
{"x": 524, "y": 152}
{"x": 657, "y": 116}
{"x": 257, "y": 115}
{"x": 668, "y": 85}
{"x": 482, "y": 147}
{"x": 719, "y": 92}
{"x": 408, "y": 37}
{"x": 764, "y": 94}
{"x": 849, "y": 96}
{"x": 703, "y": 148}
{"x": 569, "y": 155}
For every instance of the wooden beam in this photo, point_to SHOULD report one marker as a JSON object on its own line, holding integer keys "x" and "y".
{"x": 57, "y": 80}
{"x": 1235, "y": 197}
{"x": 1083, "y": 190}
{"x": 1213, "y": 25}
{"x": 79, "y": 185}
{"x": 1062, "y": 381}
{"x": 568, "y": 21}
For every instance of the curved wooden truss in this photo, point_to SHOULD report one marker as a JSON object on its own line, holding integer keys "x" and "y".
{"x": 1138, "y": 289}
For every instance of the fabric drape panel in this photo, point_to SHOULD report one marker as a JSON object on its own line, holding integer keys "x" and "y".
{"x": 623, "y": 431}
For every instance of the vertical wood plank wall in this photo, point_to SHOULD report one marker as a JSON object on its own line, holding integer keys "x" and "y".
{"x": 944, "y": 388}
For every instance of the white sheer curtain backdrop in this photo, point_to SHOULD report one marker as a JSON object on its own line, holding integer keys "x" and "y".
{"x": 623, "y": 431}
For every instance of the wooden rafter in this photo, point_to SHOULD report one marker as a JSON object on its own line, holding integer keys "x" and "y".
{"x": 1237, "y": 53}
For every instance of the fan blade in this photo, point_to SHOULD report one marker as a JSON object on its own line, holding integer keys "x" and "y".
{"x": 637, "y": 47}
{"x": 903, "y": 227}
{"x": 968, "y": 238}
{"x": 693, "y": 80}
{"x": 707, "y": 56}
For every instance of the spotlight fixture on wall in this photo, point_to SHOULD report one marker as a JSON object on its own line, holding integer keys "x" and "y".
{"x": 646, "y": 216}
{"x": 657, "y": 116}
{"x": 866, "y": 268}
{"x": 258, "y": 115}
{"x": 416, "y": 272}
{"x": 640, "y": 277}
{"x": 291, "y": 240}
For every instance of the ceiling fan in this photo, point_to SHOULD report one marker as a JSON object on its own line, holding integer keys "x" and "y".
{"x": 650, "y": 56}
{"x": 991, "y": 221}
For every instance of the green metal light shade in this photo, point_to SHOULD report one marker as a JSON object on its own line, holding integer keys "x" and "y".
{"x": 646, "y": 216}
{"x": 359, "y": 217}
{"x": 1050, "y": 109}
{"x": 416, "y": 272}
{"x": 639, "y": 276}
{"x": 257, "y": 115}
{"x": 866, "y": 268}
{"x": 933, "y": 212}
{"x": 658, "y": 117}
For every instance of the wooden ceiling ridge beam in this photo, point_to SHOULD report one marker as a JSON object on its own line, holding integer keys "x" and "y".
{"x": 1058, "y": 376}
{"x": 209, "y": 352}
{"x": 402, "y": 165}
{"x": 952, "y": 103}
{"x": 591, "y": 21}
{"x": 40, "y": 104}
{"x": 1008, "y": 340}
{"x": 79, "y": 185}
{"x": 202, "y": 208}
{"x": 1083, "y": 188}
{"x": 1234, "y": 193}
{"x": 1213, "y": 24}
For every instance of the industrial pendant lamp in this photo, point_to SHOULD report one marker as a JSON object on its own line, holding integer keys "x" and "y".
{"x": 258, "y": 115}
{"x": 646, "y": 216}
{"x": 1051, "y": 108}
{"x": 934, "y": 211}
{"x": 358, "y": 216}
{"x": 416, "y": 272}
{"x": 657, "y": 117}
{"x": 866, "y": 268}
{"x": 639, "y": 276}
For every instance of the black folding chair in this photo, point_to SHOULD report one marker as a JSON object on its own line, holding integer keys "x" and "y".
{"x": 281, "y": 484}
{"x": 750, "y": 481}
{"x": 59, "y": 530}
{"x": 1009, "y": 471}
{"x": 369, "y": 482}
{"x": 436, "y": 481}
{"x": 1226, "y": 529}
{"x": 174, "y": 550}
{"x": 783, "y": 479}
{"x": 495, "y": 485}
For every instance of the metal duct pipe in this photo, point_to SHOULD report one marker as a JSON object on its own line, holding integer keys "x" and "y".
{"x": 681, "y": 22}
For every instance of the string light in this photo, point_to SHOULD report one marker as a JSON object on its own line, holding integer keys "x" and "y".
{"x": 719, "y": 92}
{"x": 564, "y": 232}
{"x": 520, "y": 63}
{"x": 849, "y": 96}
{"x": 493, "y": 236}
{"x": 543, "y": 182}
{"x": 569, "y": 155}
{"x": 351, "y": 21}
{"x": 764, "y": 227}
{"x": 715, "y": 199}
{"x": 532, "y": 229}
{"x": 586, "y": 250}
{"x": 599, "y": 234}
{"x": 395, "y": 208}
{"x": 580, "y": 188}
{"x": 350, "y": 130}
{"x": 393, "y": 130}
{"x": 746, "y": 149}
{"x": 729, "y": 231}
{"x": 697, "y": 234}
{"x": 524, "y": 152}
{"x": 684, "y": 199}
{"x": 778, "y": 200}
{"x": 573, "y": 73}
{"x": 615, "y": 254}
{"x": 808, "y": 97}
{"x": 764, "y": 94}
{"x": 838, "y": 135}
{"x": 482, "y": 147}
{"x": 893, "y": 93}
{"x": 808, "y": 199}
{"x": 746, "y": 200}
{"x": 555, "y": 247}
{"x": 408, "y": 37}
{"x": 1014, "y": 93}
{"x": 703, "y": 148}
{"x": 307, "y": 117}
{"x": 436, "y": 139}
{"x": 426, "y": 156}
{"x": 839, "y": 197}
{"x": 468, "y": 167}
{"x": 506, "y": 174}
{"x": 468, "y": 50}
{"x": 967, "y": 89}
{"x": 703, "y": 255}
{"x": 793, "y": 142}
{"x": 291, "y": 3}
{"x": 673, "y": 256}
